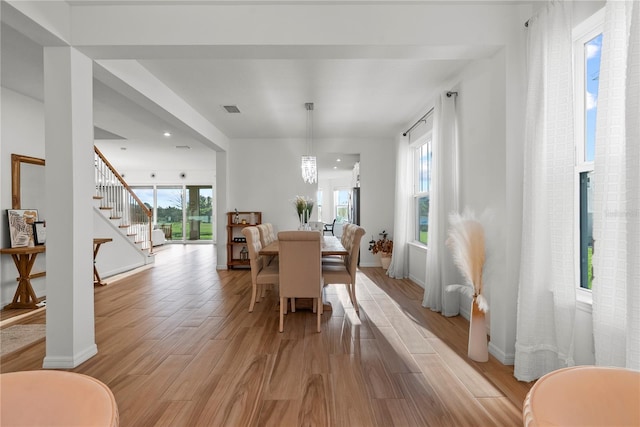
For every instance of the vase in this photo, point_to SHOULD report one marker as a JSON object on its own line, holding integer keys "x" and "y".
{"x": 385, "y": 259}
{"x": 478, "y": 349}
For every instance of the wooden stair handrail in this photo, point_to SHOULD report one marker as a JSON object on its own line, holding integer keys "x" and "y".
{"x": 145, "y": 209}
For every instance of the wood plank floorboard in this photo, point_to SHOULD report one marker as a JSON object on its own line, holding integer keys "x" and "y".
{"x": 178, "y": 347}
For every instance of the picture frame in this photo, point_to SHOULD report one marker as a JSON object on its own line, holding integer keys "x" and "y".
{"x": 21, "y": 226}
{"x": 39, "y": 233}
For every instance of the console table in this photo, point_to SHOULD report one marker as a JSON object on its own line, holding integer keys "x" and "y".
{"x": 24, "y": 258}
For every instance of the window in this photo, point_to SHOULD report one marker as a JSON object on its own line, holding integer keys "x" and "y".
{"x": 587, "y": 50}
{"x": 183, "y": 212}
{"x": 422, "y": 184}
{"x": 341, "y": 203}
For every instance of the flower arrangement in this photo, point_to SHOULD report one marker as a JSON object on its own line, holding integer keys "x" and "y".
{"x": 382, "y": 245}
{"x": 304, "y": 207}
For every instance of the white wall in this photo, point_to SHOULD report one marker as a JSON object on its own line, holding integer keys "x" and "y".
{"x": 22, "y": 132}
{"x": 264, "y": 175}
{"x": 117, "y": 256}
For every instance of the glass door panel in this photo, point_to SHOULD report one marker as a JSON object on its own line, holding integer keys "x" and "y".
{"x": 169, "y": 216}
{"x": 199, "y": 213}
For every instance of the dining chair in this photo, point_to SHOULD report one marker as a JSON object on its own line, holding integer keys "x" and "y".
{"x": 345, "y": 272}
{"x": 345, "y": 239}
{"x": 262, "y": 273}
{"x": 266, "y": 237}
{"x": 300, "y": 269}
{"x": 329, "y": 228}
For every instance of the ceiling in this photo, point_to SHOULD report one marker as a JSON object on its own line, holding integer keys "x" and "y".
{"x": 355, "y": 96}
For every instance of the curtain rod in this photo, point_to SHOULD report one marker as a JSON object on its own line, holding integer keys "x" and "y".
{"x": 424, "y": 118}
{"x": 420, "y": 120}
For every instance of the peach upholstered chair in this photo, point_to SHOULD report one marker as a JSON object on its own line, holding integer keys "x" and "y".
{"x": 261, "y": 273}
{"x": 584, "y": 395}
{"x": 300, "y": 269}
{"x": 345, "y": 272}
{"x": 56, "y": 398}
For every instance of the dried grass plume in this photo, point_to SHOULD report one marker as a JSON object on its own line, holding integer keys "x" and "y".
{"x": 467, "y": 244}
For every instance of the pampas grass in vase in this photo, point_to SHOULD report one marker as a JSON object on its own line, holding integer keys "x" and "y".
{"x": 466, "y": 241}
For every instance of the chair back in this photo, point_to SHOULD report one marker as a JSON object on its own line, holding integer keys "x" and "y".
{"x": 300, "y": 264}
{"x": 346, "y": 235}
{"x": 266, "y": 234}
{"x": 355, "y": 233}
{"x": 329, "y": 228}
{"x": 254, "y": 245}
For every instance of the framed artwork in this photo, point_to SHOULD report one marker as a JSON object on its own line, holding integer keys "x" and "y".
{"x": 21, "y": 223}
{"x": 39, "y": 233}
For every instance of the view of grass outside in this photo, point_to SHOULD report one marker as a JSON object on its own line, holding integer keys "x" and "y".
{"x": 171, "y": 204}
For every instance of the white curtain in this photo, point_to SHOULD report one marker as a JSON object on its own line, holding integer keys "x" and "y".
{"x": 616, "y": 192}
{"x": 546, "y": 294}
{"x": 444, "y": 195}
{"x": 399, "y": 267}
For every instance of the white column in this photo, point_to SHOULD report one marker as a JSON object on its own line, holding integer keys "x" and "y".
{"x": 68, "y": 90}
{"x": 222, "y": 206}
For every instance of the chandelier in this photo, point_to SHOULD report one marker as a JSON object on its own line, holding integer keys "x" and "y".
{"x": 308, "y": 165}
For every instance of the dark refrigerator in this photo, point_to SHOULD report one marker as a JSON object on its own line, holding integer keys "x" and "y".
{"x": 355, "y": 206}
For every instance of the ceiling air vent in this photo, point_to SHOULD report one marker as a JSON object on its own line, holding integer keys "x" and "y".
{"x": 231, "y": 109}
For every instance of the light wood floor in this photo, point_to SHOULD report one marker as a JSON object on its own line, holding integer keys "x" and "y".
{"x": 178, "y": 347}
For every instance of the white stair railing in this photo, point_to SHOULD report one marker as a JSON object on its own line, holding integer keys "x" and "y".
{"x": 123, "y": 206}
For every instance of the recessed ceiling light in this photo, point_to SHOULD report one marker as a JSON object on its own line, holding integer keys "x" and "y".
{"x": 335, "y": 167}
{"x": 233, "y": 109}
{"x": 167, "y": 134}
{"x": 338, "y": 160}
{"x": 183, "y": 147}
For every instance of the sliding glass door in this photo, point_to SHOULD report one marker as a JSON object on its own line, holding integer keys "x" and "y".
{"x": 169, "y": 212}
{"x": 199, "y": 213}
{"x": 184, "y": 213}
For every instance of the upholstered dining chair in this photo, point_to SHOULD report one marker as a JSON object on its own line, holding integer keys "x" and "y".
{"x": 300, "y": 269}
{"x": 267, "y": 236}
{"x": 262, "y": 273}
{"x": 266, "y": 233}
{"x": 345, "y": 239}
{"x": 345, "y": 272}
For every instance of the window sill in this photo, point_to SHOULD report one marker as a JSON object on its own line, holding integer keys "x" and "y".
{"x": 584, "y": 300}
{"x": 418, "y": 245}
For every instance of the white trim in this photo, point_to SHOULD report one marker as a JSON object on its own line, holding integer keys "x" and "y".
{"x": 57, "y": 362}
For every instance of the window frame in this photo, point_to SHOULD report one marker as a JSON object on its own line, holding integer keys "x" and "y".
{"x": 582, "y": 34}
{"x": 417, "y": 193}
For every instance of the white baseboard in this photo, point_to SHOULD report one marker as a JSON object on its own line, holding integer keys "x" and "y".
{"x": 64, "y": 362}
{"x": 504, "y": 358}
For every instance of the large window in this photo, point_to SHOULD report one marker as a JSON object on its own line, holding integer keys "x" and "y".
{"x": 587, "y": 50}
{"x": 422, "y": 184}
{"x": 182, "y": 212}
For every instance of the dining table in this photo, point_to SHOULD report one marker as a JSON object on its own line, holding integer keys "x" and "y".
{"x": 331, "y": 245}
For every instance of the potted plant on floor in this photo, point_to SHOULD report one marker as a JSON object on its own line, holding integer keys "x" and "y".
{"x": 384, "y": 246}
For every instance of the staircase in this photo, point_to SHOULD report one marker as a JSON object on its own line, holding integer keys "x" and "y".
{"x": 117, "y": 202}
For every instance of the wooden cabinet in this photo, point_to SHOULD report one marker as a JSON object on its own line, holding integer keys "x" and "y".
{"x": 236, "y": 221}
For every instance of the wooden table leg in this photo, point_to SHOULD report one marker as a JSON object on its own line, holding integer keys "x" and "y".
{"x": 96, "y": 277}
{"x": 25, "y": 296}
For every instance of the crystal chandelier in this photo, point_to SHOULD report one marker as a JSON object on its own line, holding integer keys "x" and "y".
{"x": 308, "y": 165}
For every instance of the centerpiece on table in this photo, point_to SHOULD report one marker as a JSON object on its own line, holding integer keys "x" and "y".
{"x": 384, "y": 246}
{"x": 304, "y": 207}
